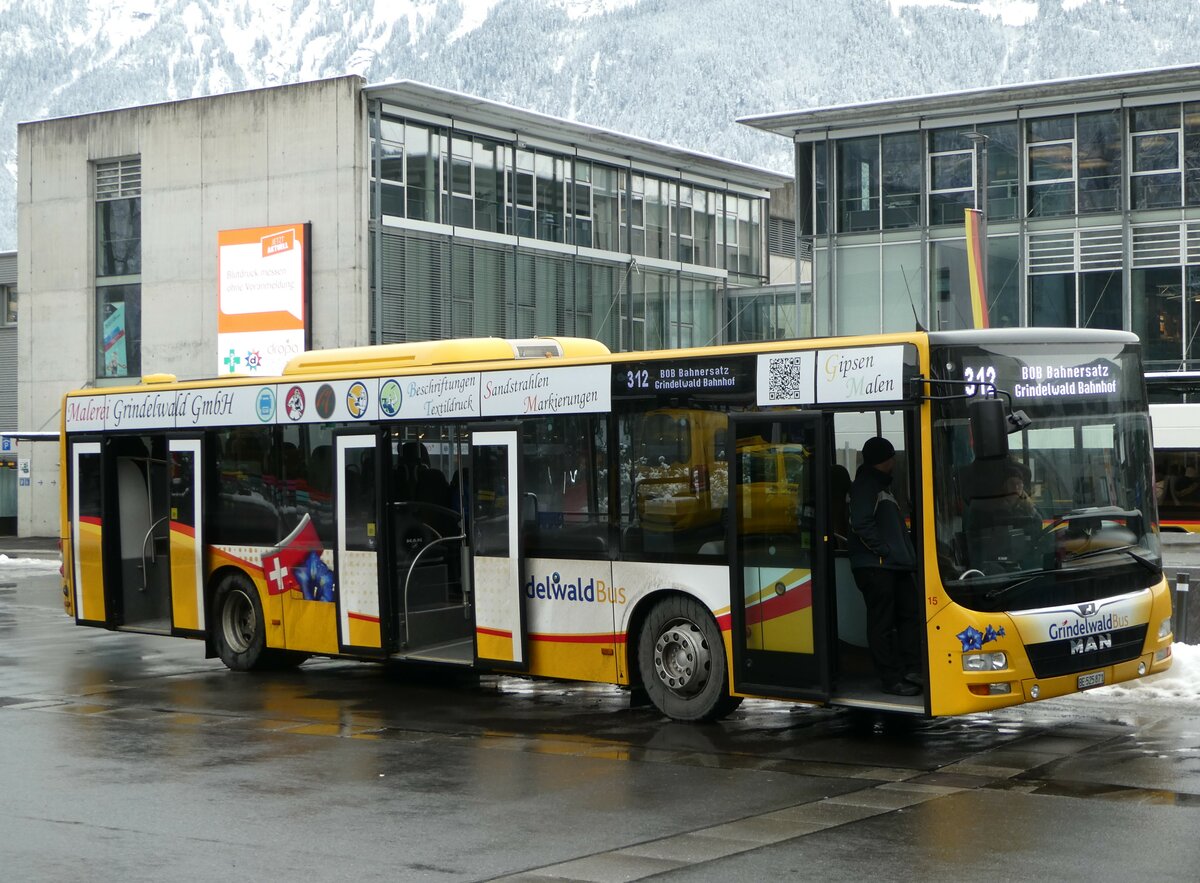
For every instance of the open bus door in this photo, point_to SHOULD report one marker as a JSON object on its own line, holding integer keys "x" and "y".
{"x": 778, "y": 580}
{"x": 356, "y": 565}
{"x": 87, "y": 532}
{"x": 496, "y": 556}
{"x": 137, "y": 533}
{"x": 186, "y": 542}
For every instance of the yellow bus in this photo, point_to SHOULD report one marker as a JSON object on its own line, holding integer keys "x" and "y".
{"x": 672, "y": 522}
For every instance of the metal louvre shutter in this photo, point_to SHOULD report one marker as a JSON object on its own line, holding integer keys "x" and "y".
{"x": 482, "y": 286}
{"x": 414, "y": 277}
{"x": 1100, "y": 249}
{"x": 8, "y": 368}
{"x": 597, "y": 288}
{"x": 1052, "y": 252}
{"x": 781, "y": 237}
{"x": 1192, "y": 233}
{"x": 545, "y": 286}
{"x": 1156, "y": 245}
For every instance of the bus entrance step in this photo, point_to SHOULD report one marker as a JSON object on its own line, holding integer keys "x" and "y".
{"x": 458, "y": 652}
{"x": 437, "y": 626}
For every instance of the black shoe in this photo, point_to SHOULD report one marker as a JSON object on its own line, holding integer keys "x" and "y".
{"x": 915, "y": 677}
{"x": 902, "y": 688}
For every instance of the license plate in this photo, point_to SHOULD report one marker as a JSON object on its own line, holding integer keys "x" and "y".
{"x": 1095, "y": 679}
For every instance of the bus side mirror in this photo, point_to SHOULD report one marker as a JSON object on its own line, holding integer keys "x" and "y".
{"x": 989, "y": 428}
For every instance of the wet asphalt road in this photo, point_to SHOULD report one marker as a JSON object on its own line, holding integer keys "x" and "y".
{"x": 127, "y": 757}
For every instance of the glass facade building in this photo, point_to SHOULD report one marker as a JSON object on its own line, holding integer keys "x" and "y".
{"x": 1090, "y": 189}
{"x": 488, "y": 221}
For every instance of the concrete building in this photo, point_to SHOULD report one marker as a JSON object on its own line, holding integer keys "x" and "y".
{"x": 430, "y": 214}
{"x": 8, "y": 392}
{"x": 1090, "y": 188}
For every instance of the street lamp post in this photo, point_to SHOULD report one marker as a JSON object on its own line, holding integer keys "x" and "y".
{"x": 980, "y": 142}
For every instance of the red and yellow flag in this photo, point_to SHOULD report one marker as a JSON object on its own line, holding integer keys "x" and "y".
{"x": 979, "y": 308}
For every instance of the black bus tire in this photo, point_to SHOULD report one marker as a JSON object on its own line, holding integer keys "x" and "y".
{"x": 239, "y": 629}
{"x": 681, "y": 658}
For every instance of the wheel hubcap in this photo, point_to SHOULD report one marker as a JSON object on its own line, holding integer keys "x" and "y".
{"x": 237, "y": 621}
{"x": 682, "y": 659}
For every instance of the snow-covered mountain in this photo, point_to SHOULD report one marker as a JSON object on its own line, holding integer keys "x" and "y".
{"x": 679, "y": 71}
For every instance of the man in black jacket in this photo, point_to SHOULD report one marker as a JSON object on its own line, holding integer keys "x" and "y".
{"x": 883, "y": 561}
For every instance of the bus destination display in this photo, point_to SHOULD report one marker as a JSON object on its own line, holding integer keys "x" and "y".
{"x": 1045, "y": 378}
{"x": 672, "y": 378}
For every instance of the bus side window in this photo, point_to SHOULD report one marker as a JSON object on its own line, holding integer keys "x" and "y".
{"x": 562, "y": 476}
{"x": 674, "y": 486}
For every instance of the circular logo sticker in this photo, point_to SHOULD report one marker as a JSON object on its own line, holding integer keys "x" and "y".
{"x": 295, "y": 403}
{"x": 324, "y": 401}
{"x": 265, "y": 404}
{"x": 390, "y": 398}
{"x": 356, "y": 399}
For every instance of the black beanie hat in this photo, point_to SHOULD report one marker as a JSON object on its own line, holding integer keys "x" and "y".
{"x": 877, "y": 450}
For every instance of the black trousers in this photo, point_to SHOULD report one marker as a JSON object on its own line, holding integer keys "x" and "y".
{"x": 893, "y": 611}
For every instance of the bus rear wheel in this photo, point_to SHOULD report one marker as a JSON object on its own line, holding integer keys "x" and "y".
{"x": 240, "y": 636}
{"x": 681, "y": 658}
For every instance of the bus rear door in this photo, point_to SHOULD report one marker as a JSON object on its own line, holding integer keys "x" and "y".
{"x": 779, "y": 607}
{"x": 500, "y": 629}
{"x": 358, "y": 595}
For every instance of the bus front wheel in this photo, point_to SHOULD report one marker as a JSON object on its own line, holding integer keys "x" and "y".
{"x": 681, "y": 658}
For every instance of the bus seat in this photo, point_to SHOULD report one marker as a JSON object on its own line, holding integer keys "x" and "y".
{"x": 320, "y": 467}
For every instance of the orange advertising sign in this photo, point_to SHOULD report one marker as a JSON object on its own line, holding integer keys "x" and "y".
{"x": 262, "y": 298}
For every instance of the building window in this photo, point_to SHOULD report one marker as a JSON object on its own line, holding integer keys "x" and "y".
{"x": 1155, "y": 149}
{"x": 1052, "y": 300}
{"x": 901, "y": 180}
{"x": 1100, "y": 300}
{"x": 551, "y": 181}
{"x": 951, "y": 176}
{"x": 389, "y": 136}
{"x": 8, "y": 305}
{"x": 1191, "y": 152}
{"x": 119, "y": 318}
{"x": 460, "y": 183}
{"x": 422, "y": 147}
{"x": 605, "y": 213}
{"x": 118, "y": 186}
{"x": 1003, "y": 168}
{"x": 579, "y": 209}
{"x": 1099, "y": 145}
{"x": 1050, "y": 155}
{"x": 858, "y": 184}
{"x": 1158, "y": 313}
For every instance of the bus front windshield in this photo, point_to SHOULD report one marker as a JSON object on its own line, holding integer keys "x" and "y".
{"x": 1068, "y": 514}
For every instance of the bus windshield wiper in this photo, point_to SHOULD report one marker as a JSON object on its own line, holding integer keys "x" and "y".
{"x": 997, "y": 593}
{"x": 1127, "y": 550}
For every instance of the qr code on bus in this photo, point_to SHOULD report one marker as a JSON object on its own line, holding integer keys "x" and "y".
{"x": 785, "y": 379}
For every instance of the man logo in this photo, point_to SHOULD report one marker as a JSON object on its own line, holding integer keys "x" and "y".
{"x": 1087, "y": 609}
{"x": 325, "y": 401}
{"x": 390, "y": 398}
{"x": 295, "y": 403}
{"x": 356, "y": 399}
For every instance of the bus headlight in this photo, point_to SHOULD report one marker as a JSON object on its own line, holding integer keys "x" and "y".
{"x": 997, "y": 661}
{"x": 1164, "y": 628}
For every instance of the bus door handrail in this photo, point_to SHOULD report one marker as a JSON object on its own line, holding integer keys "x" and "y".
{"x": 412, "y": 566}
{"x": 153, "y": 557}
